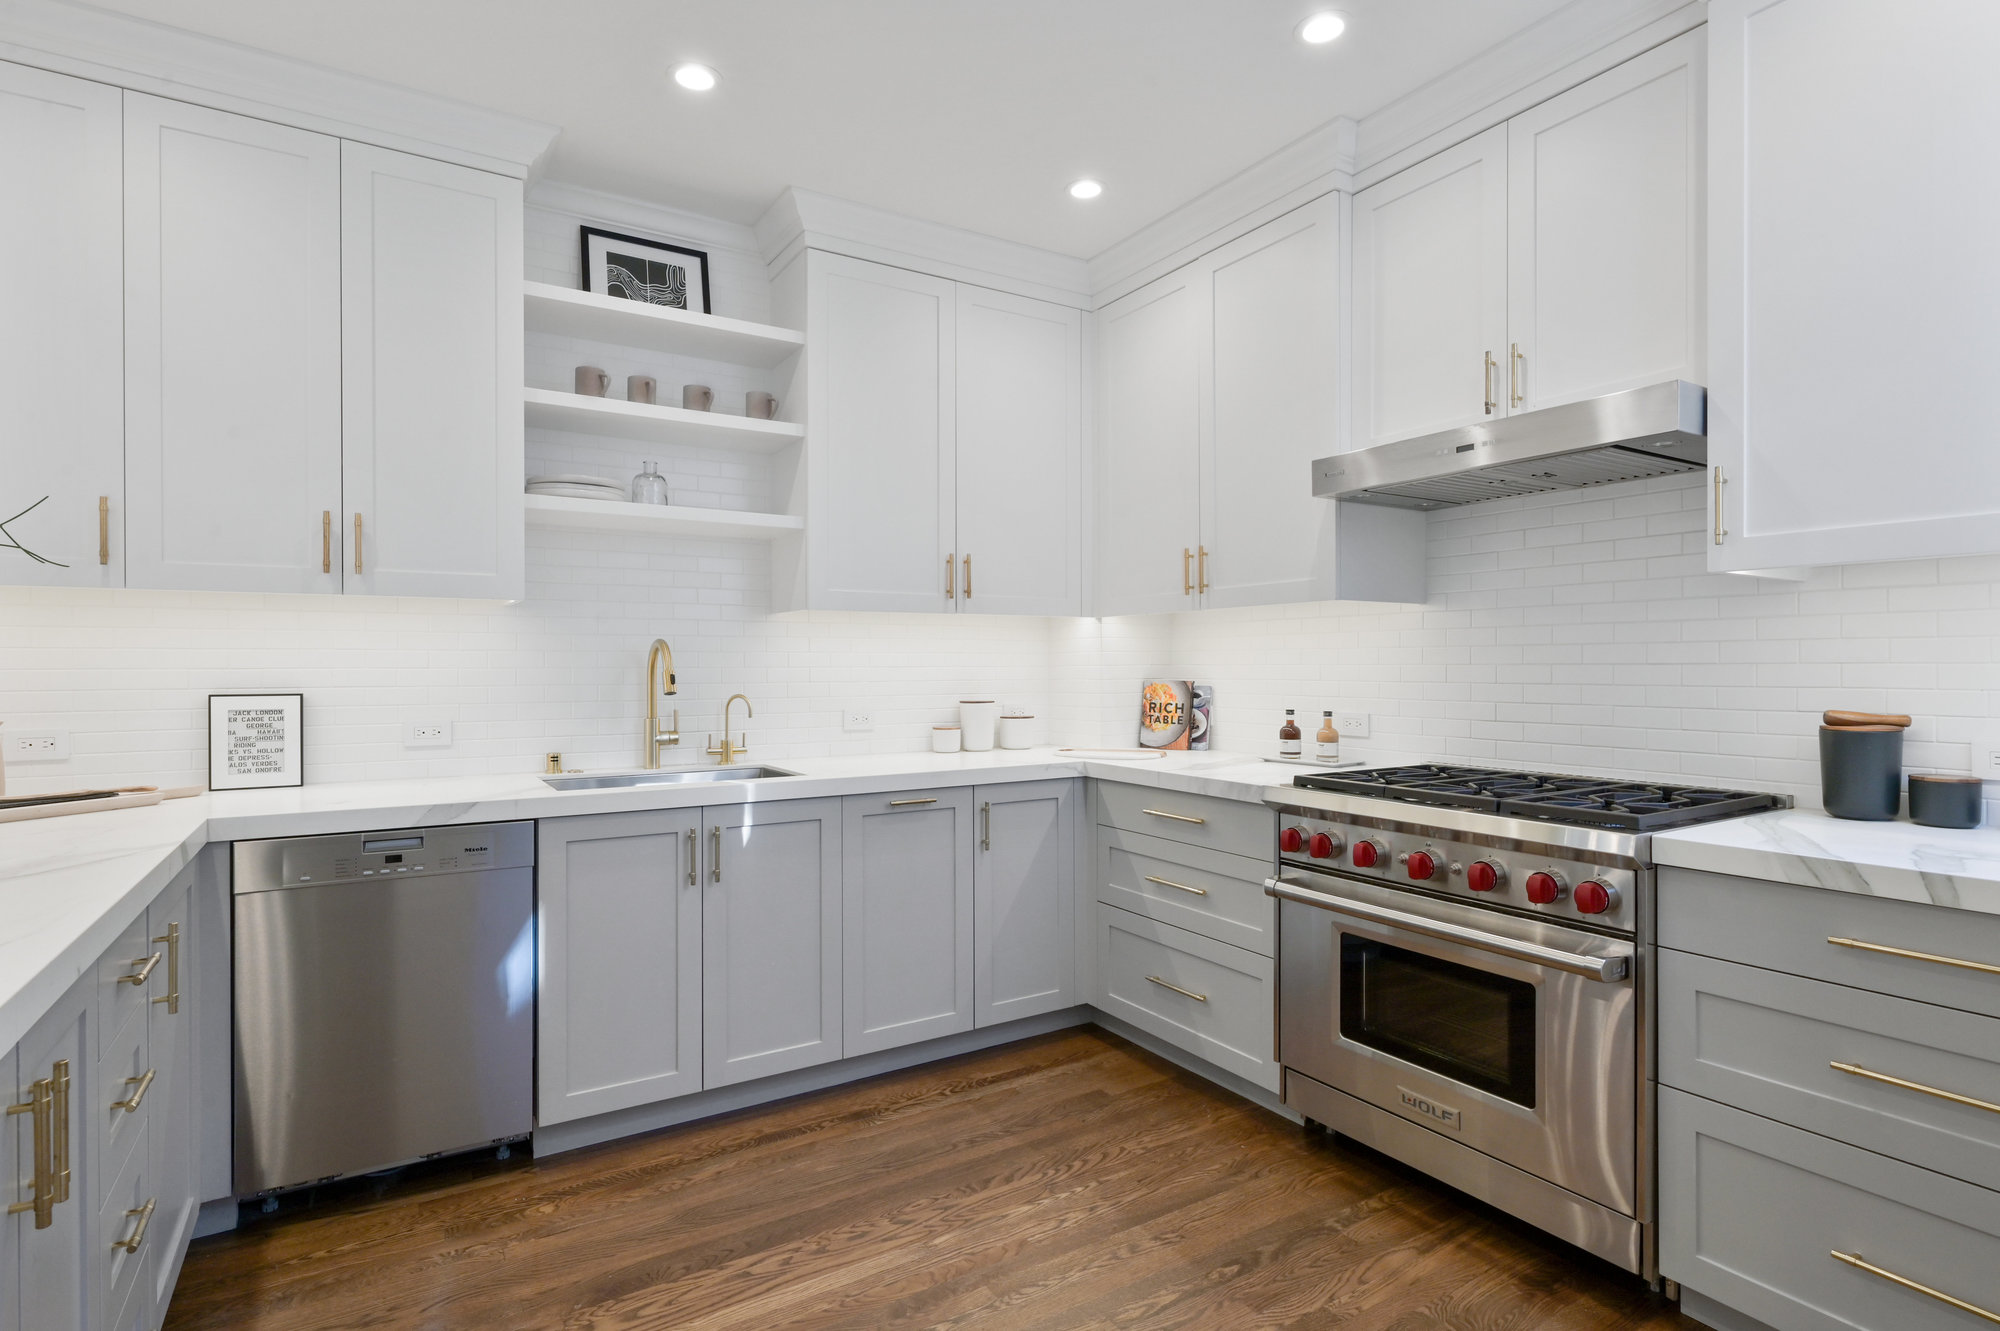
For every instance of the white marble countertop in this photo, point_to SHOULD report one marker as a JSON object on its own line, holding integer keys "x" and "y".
{"x": 70, "y": 885}
{"x": 1901, "y": 861}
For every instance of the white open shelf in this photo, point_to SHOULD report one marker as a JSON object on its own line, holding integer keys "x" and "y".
{"x": 655, "y": 519}
{"x": 630, "y": 323}
{"x": 619, "y": 419}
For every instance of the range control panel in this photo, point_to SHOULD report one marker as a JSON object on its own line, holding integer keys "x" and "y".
{"x": 372, "y": 856}
{"x": 1526, "y": 880}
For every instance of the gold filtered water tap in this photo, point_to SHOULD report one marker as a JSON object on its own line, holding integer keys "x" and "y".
{"x": 729, "y": 753}
{"x": 656, "y": 736}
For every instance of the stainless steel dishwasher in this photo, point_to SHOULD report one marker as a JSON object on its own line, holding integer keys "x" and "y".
{"x": 385, "y": 1008}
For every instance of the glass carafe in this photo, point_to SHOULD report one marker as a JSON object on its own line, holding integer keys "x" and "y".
{"x": 649, "y": 487}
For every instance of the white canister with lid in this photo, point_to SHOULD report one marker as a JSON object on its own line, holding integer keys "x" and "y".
{"x": 1014, "y": 728}
{"x": 978, "y": 718}
{"x": 944, "y": 739}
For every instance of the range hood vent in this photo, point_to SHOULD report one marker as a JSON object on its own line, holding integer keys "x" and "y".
{"x": 1659, "y": 430}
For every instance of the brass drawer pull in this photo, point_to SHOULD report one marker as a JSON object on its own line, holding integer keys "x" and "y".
{"x": 145, "y": 1214}
{"x": 1201, "y": 569}
{"x": 326, "y": 540}
{"x": 172, "y": 938}
{"x": 1719, "y": 483}
{"x": 1914, "y": 1287}
{"x": 968, "y": 577}
{"x": 1168, "y": 882}
{"x": 1853, "y": 1071}
{"x": 357, "y": 542}
{"x": 1177, "y": 817}
{"x": 131, "y": 1103}
{"x": 104, "y": 529}
{"x": 1887, "y": 951}
{"x": 1516, "y": 362}
{"x": 59, "y": 1110}
{"x": 950, "y": 578}
{"x": 1185, "y": 993}
{"x": 1187, "y": 578}
{"x": 898, "y": 804}
{"x": 145, "y": 971}
{"x": 41, "y": 1103}
{"x": 1490, "y": 403}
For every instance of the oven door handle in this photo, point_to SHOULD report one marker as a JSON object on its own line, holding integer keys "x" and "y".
{"x": 1606, "y": 969}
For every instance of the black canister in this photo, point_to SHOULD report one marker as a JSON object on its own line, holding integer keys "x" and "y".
{"x": 1946, "y": 801}
{"x": 1861, "y": 771}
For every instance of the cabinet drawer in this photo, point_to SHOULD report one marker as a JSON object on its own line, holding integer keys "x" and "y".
{"x": 1752, "y": 1211}
{"x": 119, "y": 1000}
{"x": 1199, "y": 820}
{"x": 1779, "y": 1045}
{"x": 118, "y": 1270}
{"x": 1208, "y": 998}
{"x": 1784, "y": 927}
{"x": 121, "y": 1074}
{"x": 1214, "y": 894}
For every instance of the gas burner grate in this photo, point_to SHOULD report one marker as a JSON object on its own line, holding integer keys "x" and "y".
{"x": 1586, "y": 801}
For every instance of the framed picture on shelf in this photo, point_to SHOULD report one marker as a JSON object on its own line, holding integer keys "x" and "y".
{"x": 256, "y": 740}
{"x": 653, "y": 272}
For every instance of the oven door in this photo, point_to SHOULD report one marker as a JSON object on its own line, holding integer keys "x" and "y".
{"x": 1516, "y": 1037}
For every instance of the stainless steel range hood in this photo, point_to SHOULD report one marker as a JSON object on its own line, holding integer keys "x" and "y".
{"x": 1653, "y": 431}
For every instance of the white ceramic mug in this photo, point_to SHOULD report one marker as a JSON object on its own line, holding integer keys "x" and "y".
{"x": 642, "y": 388}
{"x": 697, "y": 397}
{"x": 944, "y": 739}
{"x": 760, "y": 406}
{"x": 978, "y": 718}
{"x": 591, "y": 381}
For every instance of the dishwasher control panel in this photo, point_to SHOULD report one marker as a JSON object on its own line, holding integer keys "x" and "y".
{"x": 262, "y": 866}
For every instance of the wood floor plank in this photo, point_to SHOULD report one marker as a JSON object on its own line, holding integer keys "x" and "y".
{"x": 1067, "y": 1181}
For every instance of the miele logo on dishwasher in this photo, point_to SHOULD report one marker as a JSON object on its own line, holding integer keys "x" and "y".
{"x": 1439, "y": 1114}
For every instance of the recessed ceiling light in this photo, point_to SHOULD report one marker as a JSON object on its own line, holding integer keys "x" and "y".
{"x": 695, "y": 78}
{"x": 1085, "y": 189}
{"x": 1321, "y": 29}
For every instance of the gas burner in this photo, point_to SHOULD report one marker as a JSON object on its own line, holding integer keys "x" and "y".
{"x": 1580, "y": 801}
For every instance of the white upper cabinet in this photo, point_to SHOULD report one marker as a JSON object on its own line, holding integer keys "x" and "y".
{"x": 62, "y": 426}
{"x": 1854, "y": 295}
{"x": 1605, "y": 218}
{"x": 1020, "y": 455}
{"x": 1430, "y": 294}
{"x": 1151, "y": 349}
{"x": 431, "y": 328}
{"x": 232, "y": 351}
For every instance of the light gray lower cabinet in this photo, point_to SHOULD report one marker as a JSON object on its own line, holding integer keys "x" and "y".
{"x": 171, "y": 1144}
{"x": 771, "y": 938}
{"x": 11, "y": 1221}
{"x": 620, "y": 906}
{"x": 1024, "y": 899}
{"x": 1805, "y": 1233}
{"x": 907, "y": 888}
{"x": 1212, "y": 999}
{"x": 54, "y": 1245}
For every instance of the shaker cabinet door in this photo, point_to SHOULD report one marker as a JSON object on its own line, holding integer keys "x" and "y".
{"x": 62, "y": 420}
{"x": 907, "y": 901}
{"x": 1024, "y": 898}
{"x": 232, "y": 352}
{"x": 170, "y": 1121}
{"x": 58, "y": 1261}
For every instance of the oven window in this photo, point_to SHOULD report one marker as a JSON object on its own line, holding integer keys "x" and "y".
{"x": 1472, "y": 1026}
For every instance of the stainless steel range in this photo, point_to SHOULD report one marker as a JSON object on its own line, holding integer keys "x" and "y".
{"x": 1465, "y": 979}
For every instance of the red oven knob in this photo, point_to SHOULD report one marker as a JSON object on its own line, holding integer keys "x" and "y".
{"x": 1484, "y": 875}
{"x": 1422, "y": 866}
{"x": 1594, "y": 898}
{"x": 1545, "y": 889}
{"x": 1323, "y": 847}
{"x": 1367, "y": 852}
{"x": 1292, "y": 840}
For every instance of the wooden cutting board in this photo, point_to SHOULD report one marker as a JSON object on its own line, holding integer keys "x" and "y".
{"x": 20, "y": 808}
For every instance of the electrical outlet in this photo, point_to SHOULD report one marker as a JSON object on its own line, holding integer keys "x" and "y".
{"x": 855, "y": 720}
{"x": 37, "y": 746}
{"x": 1351, "y": 725}
{"x": 1986, "y": 750}
{"x": 430, "y": 733}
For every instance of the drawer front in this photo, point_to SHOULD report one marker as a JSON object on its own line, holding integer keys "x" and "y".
{"x": 1209, "y": 998}
{"x": 119, "y": 1000}
{"x": 1802, "y": 1051}
{"x": 1783, "y": 927}
{"x": 118, "y": 1221}
{"x": 121, "y": 1076}
{"x": 1217, "y": 895}
{"x": 1752, "y": 1211}
{"x": 1231, "y": 826}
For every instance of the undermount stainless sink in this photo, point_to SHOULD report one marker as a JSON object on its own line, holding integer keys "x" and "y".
{"x": 679, "y": 777}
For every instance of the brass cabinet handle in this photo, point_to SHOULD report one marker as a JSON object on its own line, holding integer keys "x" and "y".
{"x": 950, "y": 577}
{"x": 41, "y": 1103}
{"x": 326, "y": 540}
{"x": 897, "y": 804}
{"x": 1887, "y": 951}
{"x": 1201, "y": 569}
{"x": 968, "y": 577}
{"x": 715, "y": 854}
{"x": 357, "y": 542}
{"x": 1189, "y": 993}
{"x": 104, "y": 529}
{"x": 694, "y": 857}
{"x": 145, "y": 971}
{"x": 59, "y": 1126}
{"x": 1177, "y": 817}
{"x": 145, "y": 1214}
{"x": 1516, "y": 362}
{"x": 1187, "y": 582}
{"x": 172, "y": 938}
{"x": 130, "y": 1104}
{"x": 1854, "y": 1070}
{"x": 1168, "y": 882}
{"x": 1490, "y": 403}
{"x": 986, "y": 825}
{"x": 1913, "y": 1286}
{"x": 1719, "y": 483}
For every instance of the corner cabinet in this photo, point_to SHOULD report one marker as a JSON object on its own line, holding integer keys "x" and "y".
{"x": 943, "y": 452}
{"x": 1853, "y": 329}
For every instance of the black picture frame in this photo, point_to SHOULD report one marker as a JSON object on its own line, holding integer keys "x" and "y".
{"x": 663, "y": 252}
{"x": 293, "y": 769}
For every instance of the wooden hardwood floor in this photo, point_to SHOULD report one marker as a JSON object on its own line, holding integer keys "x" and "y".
{"x": 1070, "y": 1181}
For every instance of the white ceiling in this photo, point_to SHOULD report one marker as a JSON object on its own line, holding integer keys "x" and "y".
{"x": 973, "y": 113}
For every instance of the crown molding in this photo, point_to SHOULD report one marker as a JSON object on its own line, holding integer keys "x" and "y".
{"x": 802, "y": 219}
{"x": 1309, "y": 166}
{"x": 640, "y": 215}
{"x": 170, "y": 62}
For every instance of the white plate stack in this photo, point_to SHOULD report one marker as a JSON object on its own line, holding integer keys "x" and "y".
{"x": 578, "y": 487}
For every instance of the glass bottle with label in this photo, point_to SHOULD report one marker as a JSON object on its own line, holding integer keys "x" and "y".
{"x": 1326, "y": 744}
{"x": 1291, "y": 741}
